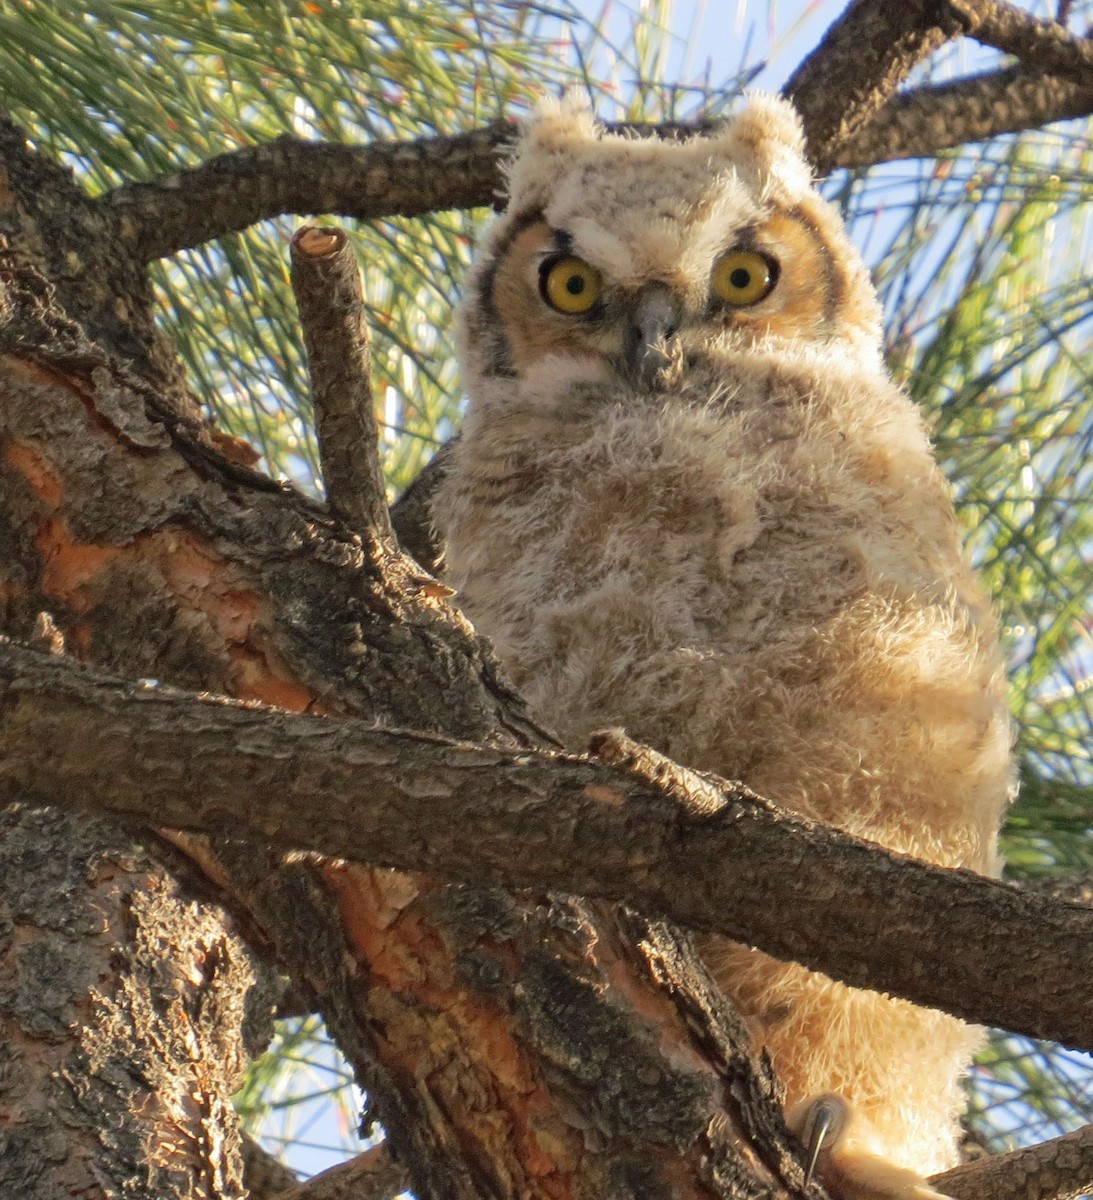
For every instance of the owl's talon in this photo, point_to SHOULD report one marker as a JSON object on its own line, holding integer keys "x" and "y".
{"x": 846, "y": 1165}
{"x": 824, "y": 1123}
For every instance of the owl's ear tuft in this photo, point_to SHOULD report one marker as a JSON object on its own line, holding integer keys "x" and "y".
{"x": 767, "y": 144}
{"x": 556, "y": 128}
{"x": 558, "y": 123}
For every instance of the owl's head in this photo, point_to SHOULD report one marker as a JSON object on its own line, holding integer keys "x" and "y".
{"x": 623, "y": 258}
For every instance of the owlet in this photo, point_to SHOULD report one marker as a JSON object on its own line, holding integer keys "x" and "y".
{"x": 690, "y": 501}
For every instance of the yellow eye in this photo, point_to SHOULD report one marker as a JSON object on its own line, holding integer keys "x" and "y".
{"x": 743, "y": 277}
{"x": 570, "y": 284}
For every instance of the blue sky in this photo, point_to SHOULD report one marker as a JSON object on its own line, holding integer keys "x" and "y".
{"x": 713, "y": 38}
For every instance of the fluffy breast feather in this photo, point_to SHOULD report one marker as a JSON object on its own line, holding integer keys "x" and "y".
{"x": 721, "y": 576}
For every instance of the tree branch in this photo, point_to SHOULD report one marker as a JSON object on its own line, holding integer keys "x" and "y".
{"x": 857, "y": 67}
{"x": 412, "y": 178}
{"x": 373, "y": 1175}
{"x": 381, "y": 179}
{"x": 1046, "y": 45}
{"x": 412, "y": 516}
{"x": 920, "y": 122}
{"x": 1061, "y": 1169}
{"x": 264, "y": 1176}
{"x": 327, "y": 286}
{"x": 633, "y": 827}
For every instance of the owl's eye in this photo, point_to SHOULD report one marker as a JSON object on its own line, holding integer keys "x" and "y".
{"x": 743, "y": 277}
{"x": 569, "y": 284}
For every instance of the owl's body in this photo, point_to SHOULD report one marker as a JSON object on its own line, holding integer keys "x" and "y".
{"x": 719, "y": 525}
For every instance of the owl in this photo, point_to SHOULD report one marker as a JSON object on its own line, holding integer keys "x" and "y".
{"x": 689, "y": 500}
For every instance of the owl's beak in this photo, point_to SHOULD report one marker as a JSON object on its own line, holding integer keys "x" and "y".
{"x": 651, "y": 346}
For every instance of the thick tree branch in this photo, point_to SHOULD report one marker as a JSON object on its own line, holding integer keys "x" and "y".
{"x": 327, "y": 286}
{"x": 863, "y": 58}
{"x": 381, "y": 179}
{"x": 665, "y": 839}
{"x": 1061, "y": 1169}
{"x": 920, "y": 122}
{"x": 411, "y": 178}
{"x": 1046, "y": 45}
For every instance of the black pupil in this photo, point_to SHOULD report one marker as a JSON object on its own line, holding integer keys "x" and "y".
{"x": 574, "y": 285}
{"x": 740, "y": 278}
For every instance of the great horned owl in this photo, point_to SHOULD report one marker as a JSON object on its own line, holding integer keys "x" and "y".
{"x": 689, "y": 500}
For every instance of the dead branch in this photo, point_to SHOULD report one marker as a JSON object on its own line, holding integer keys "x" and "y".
{"x": 632, "y": 827}
{"x": 327, "y": 287}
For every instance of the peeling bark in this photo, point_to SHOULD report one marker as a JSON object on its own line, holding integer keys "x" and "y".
{"x": 126, "y": 1016}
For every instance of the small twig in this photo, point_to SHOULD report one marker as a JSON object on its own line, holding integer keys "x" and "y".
{"x": 1061, "y": 1169}
{"x": 327, "y": 285}
{"x": 1047, "y": 45}
{"x": 373, "y": 1175}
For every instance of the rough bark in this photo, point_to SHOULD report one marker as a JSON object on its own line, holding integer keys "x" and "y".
{"x": 264, "y": 1176}
{"x": 288, "y": 175}
{"x": 632, "y": 826}
{"x": 327, "y": 285}
{"x": 927, "y": 120}
{"x": 512, "y": 1045}
{"x": 158, "y": 558}
{"x": 123, "y": 1006}
{"x": 125, "y": 1016}
{"x": 1057, "y": 1170}
{"x": 861, "y": 61}
{"x": 373, "y": 1175}
{"x": 1035, "y": 41}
